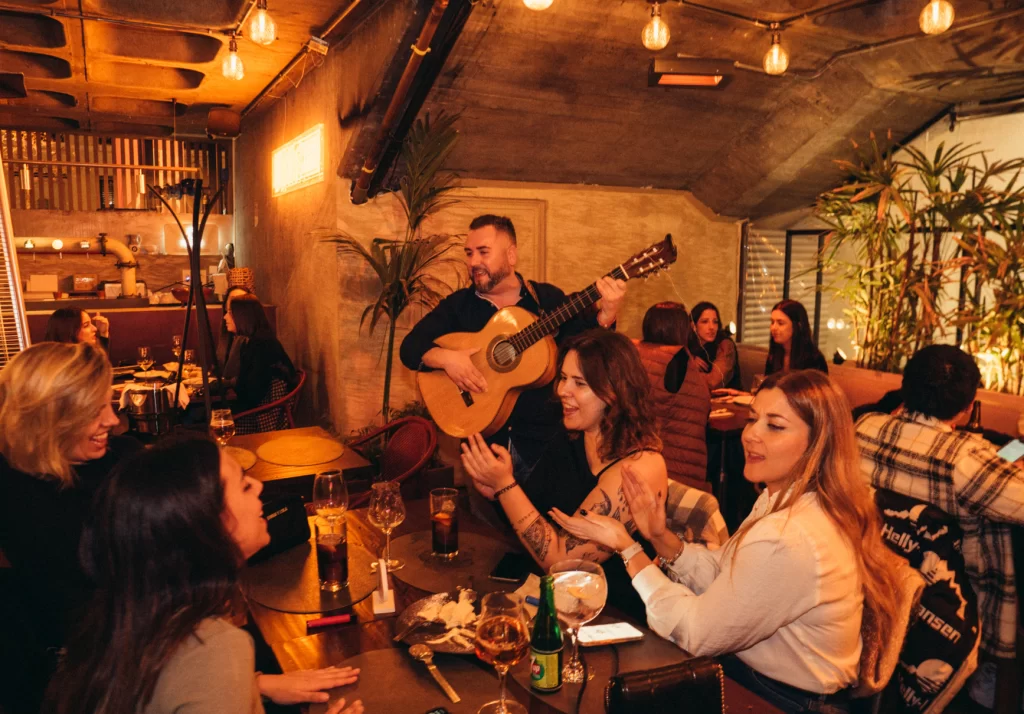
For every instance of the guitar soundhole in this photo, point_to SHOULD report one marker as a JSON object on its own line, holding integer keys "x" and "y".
{"x": 502, "y": 355}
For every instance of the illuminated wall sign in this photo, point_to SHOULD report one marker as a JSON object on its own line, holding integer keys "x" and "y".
{"x": 300, "y": 162}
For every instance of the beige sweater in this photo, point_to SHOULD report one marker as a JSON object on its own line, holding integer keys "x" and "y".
{"x": 212, "y": 672}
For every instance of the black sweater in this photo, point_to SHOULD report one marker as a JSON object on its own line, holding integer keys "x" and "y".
{"x": 40, "y": 527}
{"x": 261, "y": 358}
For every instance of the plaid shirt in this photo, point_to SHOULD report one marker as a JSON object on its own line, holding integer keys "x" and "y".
{"x": 962, "y": 474}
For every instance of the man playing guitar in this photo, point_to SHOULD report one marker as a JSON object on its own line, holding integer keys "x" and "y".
{"x": 491, "y": 256}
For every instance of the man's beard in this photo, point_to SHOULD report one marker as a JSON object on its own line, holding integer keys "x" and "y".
{"x": 490, "y": 280}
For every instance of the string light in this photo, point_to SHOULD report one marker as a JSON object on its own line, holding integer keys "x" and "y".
{"x": 656, "y": 34}
{"x": 262, "y": 28}
{"x": 232, "y": 67}
{"x": 776, "y": 59}
{"x": 538, "y": 4}
{"x": 936, "y": 17}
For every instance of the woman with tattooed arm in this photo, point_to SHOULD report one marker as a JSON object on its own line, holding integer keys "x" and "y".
{"x": 610, "y": 429}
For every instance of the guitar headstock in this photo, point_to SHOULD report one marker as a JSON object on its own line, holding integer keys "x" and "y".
{"x": 651, "y": 260}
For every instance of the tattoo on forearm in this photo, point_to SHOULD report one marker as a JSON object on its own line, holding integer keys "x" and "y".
{"x": 519, "y": 524}
{"x": 603, "y": 507}
{"x": 571, "y": 541}
{"x": 537, "y": 536}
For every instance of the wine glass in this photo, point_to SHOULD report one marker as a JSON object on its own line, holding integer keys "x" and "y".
{"x": 387, "y": 511}
{"x": 145, "y": 359}
{"x": 176, "y": 346}
{"x": 756, "y": 382}
{"x": 330, "y": 494}
{"x": 580, "y": 594}
{"x": 222, "y": 426}
{"x": 502, "y": 639}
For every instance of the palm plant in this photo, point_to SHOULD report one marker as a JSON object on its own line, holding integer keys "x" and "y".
{"x": 408, "y": 267}
{"x": 921, "y": 228}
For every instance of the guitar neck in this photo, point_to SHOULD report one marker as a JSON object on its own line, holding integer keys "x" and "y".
{"x": 572, "y": 307}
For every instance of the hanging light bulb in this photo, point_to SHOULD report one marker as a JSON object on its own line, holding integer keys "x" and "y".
{"x": 232, "y": 67}
{"x": 538, "y": 4}
{"x": 936, "y": 17}
{"x": 776, "y": 59}
{"x": 655, "y": 35}
{"x": 262, "y": 28}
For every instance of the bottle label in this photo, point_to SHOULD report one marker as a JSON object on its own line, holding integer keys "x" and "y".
{"x": 545, "y": 670}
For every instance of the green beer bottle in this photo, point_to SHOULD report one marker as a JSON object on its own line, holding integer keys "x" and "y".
{"x": 546, "y": 642}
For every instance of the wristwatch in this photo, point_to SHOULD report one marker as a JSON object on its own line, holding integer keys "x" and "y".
{"x": 627, "y": 553}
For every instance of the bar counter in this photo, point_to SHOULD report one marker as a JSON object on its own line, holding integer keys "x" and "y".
{"x": 133, "y": 327}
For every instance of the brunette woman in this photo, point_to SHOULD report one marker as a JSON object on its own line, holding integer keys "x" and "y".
{"x": 791, "y": 345}
{"x": 172, "y": 527}
{"x": 610, "y": 427}
{"x": 227, "y": 346}
{"x": 56, "y": 449}
{"x": 788, "y": 591}
{"x": 679, "y": 391}
{"x": 72, "y": 324}
{"x": 713, "y": 349}
{"x": 265, "y": 372}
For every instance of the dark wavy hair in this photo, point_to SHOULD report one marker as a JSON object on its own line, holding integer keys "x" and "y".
{"x": 63, "y": 325}
{"x": 803, "y": 351}
{"x": 667, "y": 323}
{"x": 613, "y": 370}
{"x": 250, "y": 317}
{"x": 940, "y": 381}
{"x": 162, "y": 561}
{"x": 695, "y": 314}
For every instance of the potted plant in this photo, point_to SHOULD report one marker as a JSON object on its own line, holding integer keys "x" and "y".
{"x": 408, "y": 267}
{"x": 938, "y": 246}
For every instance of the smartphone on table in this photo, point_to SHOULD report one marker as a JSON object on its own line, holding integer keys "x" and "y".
{"x": 1013, "y": 451}
{"x": 512, "y": 568}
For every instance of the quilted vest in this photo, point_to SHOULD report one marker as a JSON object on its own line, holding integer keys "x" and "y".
{"x": 682, "y": 417}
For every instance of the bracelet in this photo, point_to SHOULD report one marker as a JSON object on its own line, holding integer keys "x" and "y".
{"x": 627, "y": 553}
{"x": 506, "y": 488}
{"x": 665, "y": 562}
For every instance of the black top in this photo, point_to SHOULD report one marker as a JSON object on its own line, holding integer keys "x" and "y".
{"x": 537, "y": 415}
{"x": 40, "y": 526}
{"x": 261, "y": 358}
{"x": 815, "y": 361}
{"x": 563, "y": 479}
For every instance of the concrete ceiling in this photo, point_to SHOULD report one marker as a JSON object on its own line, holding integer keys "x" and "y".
{"x": 114, "y": 66}
{"x": 562, "y": 96}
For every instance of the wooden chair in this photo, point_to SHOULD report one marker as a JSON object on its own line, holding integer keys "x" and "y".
{"x": 410, "y": 443}
{"x": 286, "y": 403}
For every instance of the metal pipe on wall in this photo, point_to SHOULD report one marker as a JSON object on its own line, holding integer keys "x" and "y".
{"x": 361, "y": 185}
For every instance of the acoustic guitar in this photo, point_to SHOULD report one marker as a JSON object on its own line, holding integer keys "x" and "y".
{"x": 517, "y": 352}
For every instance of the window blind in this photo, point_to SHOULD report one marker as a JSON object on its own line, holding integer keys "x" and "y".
{"x": 13, "y": 326}
{"x": 763, "y": 283}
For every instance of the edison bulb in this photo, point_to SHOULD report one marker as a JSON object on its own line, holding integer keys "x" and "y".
{"x": 656, "y": 33}
{"x": 538, "y": 4}
{"x": 57, "y": 244}
{"x": 776, "y": 59}
{"x": 937, "y": 17}
{"x": 232, "y": 67}
{"x": 262, "y": 28}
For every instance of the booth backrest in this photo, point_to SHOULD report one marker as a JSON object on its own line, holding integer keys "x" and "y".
{"x": 999, "y": 411}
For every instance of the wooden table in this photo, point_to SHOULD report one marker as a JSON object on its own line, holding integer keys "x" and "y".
{"x": 280, "y": 480}
{"x": 296, "y": 650}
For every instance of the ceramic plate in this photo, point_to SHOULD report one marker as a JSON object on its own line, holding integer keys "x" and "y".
{"x": 435, "y": 630}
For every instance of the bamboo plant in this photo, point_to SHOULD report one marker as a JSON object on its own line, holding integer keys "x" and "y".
{"x": 937, "y": 244}
{"x": 408, "y": 267}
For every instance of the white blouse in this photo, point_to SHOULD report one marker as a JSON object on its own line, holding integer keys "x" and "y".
{"x": 789, "y": 604}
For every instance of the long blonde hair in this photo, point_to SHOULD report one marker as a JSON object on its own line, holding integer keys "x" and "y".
{"x": 830, "y": 467}
{"x": 49, "y": 394}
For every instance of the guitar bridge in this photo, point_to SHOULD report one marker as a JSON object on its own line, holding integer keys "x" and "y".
{"x": 467, "y": 397}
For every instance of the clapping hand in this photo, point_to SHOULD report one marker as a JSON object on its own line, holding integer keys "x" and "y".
{"x": 490, "y": 467}
{"x": 646, "y": 507}
{"x": 602, "y": 530}
{"x": 308, "y": 685}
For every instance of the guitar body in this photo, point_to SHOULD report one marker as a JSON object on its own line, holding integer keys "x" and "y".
{"x": 461, "y": 414}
